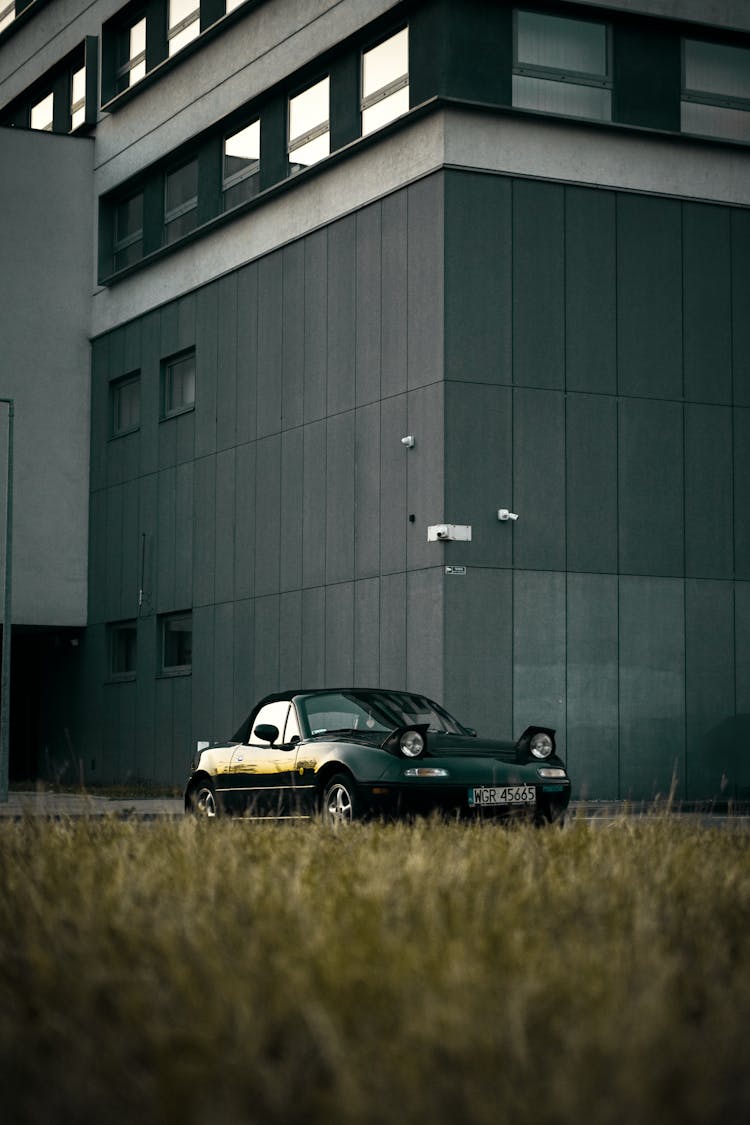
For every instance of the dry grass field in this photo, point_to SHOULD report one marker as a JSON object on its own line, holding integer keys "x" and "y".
{"x": 183, "y": 972}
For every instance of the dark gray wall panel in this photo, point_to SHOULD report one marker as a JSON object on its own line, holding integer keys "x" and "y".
{"x": 592, "y": 685}
{"x": 148, "y": 501}
{"x": 113, "y": 558}
{"x": 479, "y": 469}
{"x": 393, "y": 470}
{"x": 368, "y": 310}
{"x": 740, "y": 236}
{"x": 165, "y": 542}
{"x": 339, "y": 530}
{"x": 367, "y": 632}
{"x": 741, "y": 493}
{"x": 244, "y": 531}
{"x": 290, "y": 550}
{"x": 314, "y": 506}
{"x": 101, "y": 423}
{"x": 591, "y": 482}
{"x": 709, "y": 687}
{"x": 538, "y": 284}
{"x": 652, "y": 686}
{"x": 244, "y": 660}
{"x": 226, "y": 380}
{"x": 367, "y": 491}
{"x": 649, "y": 296}
{"x": 150, "y": 390}
{"x": 742, "y": 668}
{"x": 478, "y": 278}
{"x": 393, "y": 631}
{"x": 425, "y": 631}
{"x": 425, "y": 250}
{"x": 204, "y": 534}
{"x": 247, "y": 352}
{"x": 267, "y": 515}
{"x": 394, "y": 294}
{"x": 425, "y": 497}
{"x": 182, "y": 566}
{"x": 707, "y": 303}
{"x": 266, "y": 645}
{"x": 182, "y": 736}
{"x": 478, "y": 652}
{"x": 651, "y": 487}
{"x": 184, "y": 425}
{"x": 539, "y": 480}
{"x": 316, "y": 323}
{"x": 293, "y": 361}
{"x": 145, "y": 698}
{"x": 206, "y": 371}
{"x": 223, "y": 670}
{"x": 131, "y": 553}
{"x": 290, "y": 639}
{"x": 590, "y": 291}
{"x": 203, "y": 714}
{"x": 539, "y": 652}
{"x": 224, "y": 534}
{"x": 97, "y": 599}
{"x": 708, "y": 492}
{"x": 342, "y": 313}
{"x": 339, "y": 666}
{"x": 313, "y": 636}
{"x": 270, "y": 344}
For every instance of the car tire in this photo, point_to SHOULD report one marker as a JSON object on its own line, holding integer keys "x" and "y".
{"x": 203, "y": 803}
{"x": 340, "y": 801}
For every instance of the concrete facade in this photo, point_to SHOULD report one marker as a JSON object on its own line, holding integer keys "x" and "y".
{"x": 553, "y": 308}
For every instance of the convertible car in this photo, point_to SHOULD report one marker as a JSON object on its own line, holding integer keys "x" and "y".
{"x": 354, "y": 752}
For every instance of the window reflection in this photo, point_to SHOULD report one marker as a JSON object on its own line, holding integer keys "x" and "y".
{"x": 78, "y": 98}
{"x": 309, "y": 137}
{"x": 241, "y": 165}
{"x": 184, "y": 24}
{"x": 41, "y": 114}
{"x": 716, "y": 90}
{"x": 385, "y": 82}
{"x": 562, "y": 66}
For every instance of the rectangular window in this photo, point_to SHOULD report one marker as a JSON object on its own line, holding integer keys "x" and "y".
{"x": 716, "y": 90}
{"x": 78, "y": 98}
{"x": 128, "y": 233}
{"x": 184, "y": 24}
{"x": 123, "y": 648}
{"x": 42, "y": 113}
{"x": 385, "y": 82}
{"x": 126, "y": 404}
{"x": 7, "y": 13}
{"x": 309, "y": 135}
{"x": 177, "y": 642}
{"x": 181, "y": 201}
{"x": 131, "y": 54}
{"x": 232, "y": 4}
{"x": 178, "y": 384}
{"x": 241, "y": 165}
{"x": 562, "y": 66}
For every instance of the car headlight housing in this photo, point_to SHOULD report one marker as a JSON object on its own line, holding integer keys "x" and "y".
{"x": 426, "y": 771}
{"x": 411, "y": 744}
{"x": 541, "y": 745}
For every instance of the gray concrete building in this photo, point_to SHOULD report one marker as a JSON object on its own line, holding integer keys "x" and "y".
{"x": 249, "y": 248}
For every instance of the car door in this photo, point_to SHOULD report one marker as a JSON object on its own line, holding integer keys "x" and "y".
{"x": 262, "y": 772}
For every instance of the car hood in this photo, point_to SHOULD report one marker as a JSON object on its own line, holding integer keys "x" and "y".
{"x": 442, "y": 745}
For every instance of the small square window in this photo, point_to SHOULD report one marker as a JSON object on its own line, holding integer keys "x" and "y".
{"x": 131, "y": 54}
{"x": 126, "y": 404}
{"x": 716, "y": 90}
{"x": 241, "y": 164}
{"x": 562, "y": 65}
{"x": 181, "y": 201}
{"x": 385, "y": 82}
{"x": 128, "y": 231}
{"x": 42, "y": 113}
{"x": 309, "y": 136}
{"x": 184, "y": 24}
{"x": 177, "y": 642}
{"x": 123, "y": 648}
{"x": 178, "y": 380}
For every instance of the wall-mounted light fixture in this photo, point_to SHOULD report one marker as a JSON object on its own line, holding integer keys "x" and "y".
{"x": 408, "y": 441}
{"x": 504, "y": 514}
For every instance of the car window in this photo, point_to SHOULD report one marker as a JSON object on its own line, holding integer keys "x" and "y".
{"x": 292, "y": 726}
{"x": 274, "y": 714}
{"x": 336, "y": 711}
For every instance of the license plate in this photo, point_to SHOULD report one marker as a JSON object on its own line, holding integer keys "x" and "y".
{"x": 485, "y": 795}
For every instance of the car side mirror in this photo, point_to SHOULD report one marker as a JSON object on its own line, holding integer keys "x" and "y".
{"x": 266, "y": 732}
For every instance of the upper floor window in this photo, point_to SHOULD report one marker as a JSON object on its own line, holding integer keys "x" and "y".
{"x": 385, "y": 82}
{"x": 184, "y": 23}
{"x": 178, "y": 384}
{"x": 309, "y": 128}
{"x": 126, "y": 404}
{"x": 180, "y": 201}
{"x": 42, "y": 113}
{"x": 241, "y": 164}
{"x": 128, "y": 232}
{"x": 7, "y": 13}
{"x": 562, "y": 66}
{"x": 131, "y": 54}
{"x": 716, "y": 90}
{"x": 78, "y": 98}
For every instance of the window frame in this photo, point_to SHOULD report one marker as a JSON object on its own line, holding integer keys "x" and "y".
{"x": 193, "y": 18}
{"x": 125, "y": 69}
{"x": 367, "y": 101}
{"x": 229, "y": 182}
{"x": 8, "y": 10}
{"x": 121, "y": 244}
{"x": 167, "y": 365}
{"x": 165, "y": 620}
{"x": 115, "y": 631}
{"x": 563, "y": 75}
{"x": 172, "y": 214}
{"x": 691, "y": 96}
{"x": 115, "y": 387}
{"x": 300, "y": 140}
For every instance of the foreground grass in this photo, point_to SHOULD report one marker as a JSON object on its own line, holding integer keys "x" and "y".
{"x": 235, "y": 973}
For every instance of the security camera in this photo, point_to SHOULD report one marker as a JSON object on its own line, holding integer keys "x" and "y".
{"x": 442, "y": 533}
{"x": 504, "y": 514}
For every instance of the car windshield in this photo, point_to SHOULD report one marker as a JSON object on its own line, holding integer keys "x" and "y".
{"x": 377, "y": 711}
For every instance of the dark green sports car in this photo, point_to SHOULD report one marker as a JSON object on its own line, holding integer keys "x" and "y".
{"x": 354, "y": 752}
